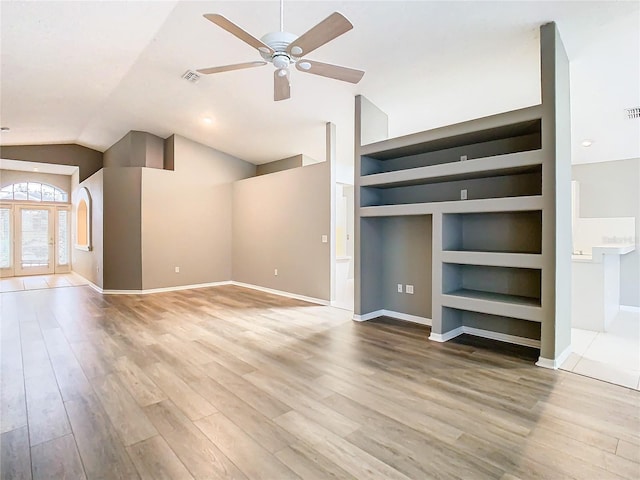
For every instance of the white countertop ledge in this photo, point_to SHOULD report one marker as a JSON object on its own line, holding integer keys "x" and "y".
{"x": 599, "y": 251}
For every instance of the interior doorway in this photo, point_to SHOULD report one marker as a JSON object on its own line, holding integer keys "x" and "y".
{"x": 344, "y": 225}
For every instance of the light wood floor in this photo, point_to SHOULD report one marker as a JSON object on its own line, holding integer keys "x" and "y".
{"x": 230, "y": 383}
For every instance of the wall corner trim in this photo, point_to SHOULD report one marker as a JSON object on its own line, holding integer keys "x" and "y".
{"x": 554, "y": 364}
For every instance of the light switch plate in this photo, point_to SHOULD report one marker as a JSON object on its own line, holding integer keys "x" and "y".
{"x": 409, "y": 289}
{"x": 463, "y": 194}
{"x": 399, "y": 288}
{"x": 177, "y": 269}
{"x": 324, "y": 239}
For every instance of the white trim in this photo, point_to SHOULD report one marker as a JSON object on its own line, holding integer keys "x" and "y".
{"x": 503, "y": 337}
{"x": 211, "y": 284}
{"x": 407, "y": 317}
{"x": 390, "y": 313}
{"x": 367, "y": 316}
{"x": 159, "y": 290}
{"x": 319, "y": 301}
{"x": 478, "y": 332}
{"x": 554, "y": 364}
{"x": 445, "y": 337}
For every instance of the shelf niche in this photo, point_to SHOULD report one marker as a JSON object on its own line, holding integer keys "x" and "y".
{"x": 521, "y": 286}
{"x": 527, "y": 182}
{"x": 504, "y": 232}
{"x": 520, "y": 137}
{"x": 514, "y": 330}
{"x": 398, "y": 250}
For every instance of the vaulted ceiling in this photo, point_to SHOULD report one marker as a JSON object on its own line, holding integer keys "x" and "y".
{"x": 88, "y": 72}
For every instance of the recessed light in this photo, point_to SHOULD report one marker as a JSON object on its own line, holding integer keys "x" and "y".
{"x": 586, "y": 143}
{"x": 4, "y": 129}
{"x": 207, "y": 120}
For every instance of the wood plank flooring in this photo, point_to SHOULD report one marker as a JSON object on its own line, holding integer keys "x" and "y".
{"x": 227, "y": 382}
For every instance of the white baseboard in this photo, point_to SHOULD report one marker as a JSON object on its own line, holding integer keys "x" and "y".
{"x": 159, "y": 290}
{"x": 390, "y": 313}
{"x": 503, "y": 337}
{"x": 204, "y": 285}
{"x": 554, "y": 364}
{"x": 445, "y": 337}
{"x": 478, "y": 332}
{"x": 281, "y": 293}
{"x": 367, "y": 316}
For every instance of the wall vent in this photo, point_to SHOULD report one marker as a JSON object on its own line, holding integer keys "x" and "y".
{"x": 632, "y": 112}
{"x": 191, "y": 76}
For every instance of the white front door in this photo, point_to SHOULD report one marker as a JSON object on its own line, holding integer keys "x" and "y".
{"x": 34, "y": 240}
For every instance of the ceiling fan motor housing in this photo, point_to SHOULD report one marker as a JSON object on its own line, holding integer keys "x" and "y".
{"x": 279, "y": 41}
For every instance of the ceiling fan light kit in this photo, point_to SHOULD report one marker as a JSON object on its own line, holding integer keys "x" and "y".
{"x": 283, "y": 49}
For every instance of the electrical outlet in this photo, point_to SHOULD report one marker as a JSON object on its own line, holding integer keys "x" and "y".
{"x": 325, "y": 239}
{"x": 409, "y": 289}
{"x": 399, "y": 288}
{"x": 463, "y": 194}
{"x": 177, "y": 269}
{"x": 463, "y": 158}
{"x": 275, "y": 272}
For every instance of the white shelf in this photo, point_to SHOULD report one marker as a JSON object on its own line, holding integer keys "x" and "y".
{"x": 484, "y": 129}
{"x": 511, "y": 163}
{"x": 507, "y": 204}
{"x": 493, "y": 259}
{"x": 494, "y": 303}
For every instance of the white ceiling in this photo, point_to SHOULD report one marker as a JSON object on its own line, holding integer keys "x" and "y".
{"x": 88, "y": 72}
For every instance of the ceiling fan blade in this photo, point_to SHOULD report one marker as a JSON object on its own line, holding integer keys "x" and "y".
{"x": 331, "y": 27}
{"x": 281, "y": 86}
{"x": 228, "y": 68}
{"x": 234, "y": 29}
{"x": 332, "y": 71}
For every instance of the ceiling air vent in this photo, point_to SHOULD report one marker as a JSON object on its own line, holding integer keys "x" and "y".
{"x": 632, "y": 112}
{"x": 191, "y": 76}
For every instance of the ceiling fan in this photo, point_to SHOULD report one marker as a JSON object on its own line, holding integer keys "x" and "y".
{"x": 284, "y": 49}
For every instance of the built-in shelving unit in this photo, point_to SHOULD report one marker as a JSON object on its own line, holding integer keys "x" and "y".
{"x": 489, "y": 191}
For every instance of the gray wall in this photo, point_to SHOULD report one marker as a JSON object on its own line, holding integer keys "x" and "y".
{"x": 122, "y": 233}
{"x": 279, "y": 165}
{"x": 8, "y": 177}
{"x": 187, "y": 216}
{"x": 136, "y": 149}
{"x": 89, "y": 264}
{"x": 407, "y": 259}
{"x": 278, "y": 222}
{"x": 89, "y": 161}
{"x": 612, "y": 189}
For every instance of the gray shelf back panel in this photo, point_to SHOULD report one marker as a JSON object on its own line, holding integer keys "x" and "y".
{"x": 520, "y": 185}
{"x": 492, "y": 283}
{"x": 371, "y": 164}
{"x": 454, "y": 318}
{"x": 507, "y": 232}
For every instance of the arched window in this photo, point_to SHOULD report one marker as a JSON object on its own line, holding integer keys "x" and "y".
{"x": 33, "y": 191}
